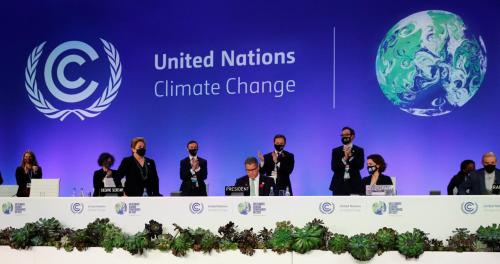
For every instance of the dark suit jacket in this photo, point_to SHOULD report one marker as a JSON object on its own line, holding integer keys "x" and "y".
{"x": 99, "y": 177}
{"x": 353, "y": 186}
{"x": 134, "y": 185}
{"x": 475, "y": 183}
{"x": 187, "y": 187}
{"x": 382, "y": 180}
{"x": 22, "y": 180}
{"x": 287, "y": 163}
{"x": 265, "y": 184}
{"x": 456, "y": 181}
{"x": 1, "y": 179}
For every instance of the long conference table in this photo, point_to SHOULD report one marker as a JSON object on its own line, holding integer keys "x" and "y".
{"x": 436, "y": 215}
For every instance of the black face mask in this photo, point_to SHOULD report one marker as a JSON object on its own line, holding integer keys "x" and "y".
{"x": 346, "y": 140}
{"x": 489, "y": 168}
{"x": 193, "y": 152}
{"x": 141, "y": 152}
{"x": 279, "y": 147}
{"x": 372, "y": 169}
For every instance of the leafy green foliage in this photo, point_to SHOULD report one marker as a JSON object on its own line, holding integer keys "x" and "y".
{"x": 264, "y": 238}
{"x": 163, "y": 242}
{"x": 282, "y": 238}
{"x": 338, "y": 243}
{"x": 363, "y": 246}
{"x": 386, "y": 239}
{"x": 182, "y": 242}
{"x": 412, "y": 244}
{"x": 462, "y": 240}
{"x": 307, "y": 238}
{"x": 490, "y": 235}
{"x": 137, "y": 243}
{"x": 228, "y": 241}
{"x": 113, "y": 238}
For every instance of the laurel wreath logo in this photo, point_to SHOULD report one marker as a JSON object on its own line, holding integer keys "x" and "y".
{"x": 96, "y": 108}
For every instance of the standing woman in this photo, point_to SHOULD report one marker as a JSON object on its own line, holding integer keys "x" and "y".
{"x": 139, "y": 171}
{"x": 28, "y": 170}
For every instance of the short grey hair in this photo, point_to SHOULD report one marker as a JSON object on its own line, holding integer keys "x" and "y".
{"x": 251, "y": 160}
{"x": 489, "y": 154}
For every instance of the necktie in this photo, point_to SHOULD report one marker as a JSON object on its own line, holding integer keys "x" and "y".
{"x": 252, "y": 187}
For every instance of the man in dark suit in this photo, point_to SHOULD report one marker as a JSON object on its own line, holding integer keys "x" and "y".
{"x": 1, "y": 179}
{"x": 347, "y": 161}
{"x": 193, "y": 172}
{"x": 481, "y": 181}
{"x": 278, "y": 165}
{"x": 259, "y": 185}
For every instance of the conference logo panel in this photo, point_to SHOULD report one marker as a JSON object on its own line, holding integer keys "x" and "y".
{"x": 71, "y": 94}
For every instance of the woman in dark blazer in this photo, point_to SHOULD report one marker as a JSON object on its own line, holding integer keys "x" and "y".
{"x": 376, "y": 166}
{"x": 139, "y": 171}
{"x": 105, "y": 161}
{"x": 28, "y": 170}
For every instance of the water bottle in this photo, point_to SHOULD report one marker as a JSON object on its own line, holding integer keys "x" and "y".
{"x": 287, "y": 192}
{"x": 145, "y": 193}
{"x": 74, "y": 192}
{"x": 82, "y": 194}
{"x": 271, "y": 192}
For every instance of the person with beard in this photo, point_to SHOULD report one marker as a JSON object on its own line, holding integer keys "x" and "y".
{"x": 139, "y": 171}
{"x": 193, "y": 172}
{"x": 466, "y": 167}
{"x": 278, "y": 165}
{"x": 347, "y": 161}
{"x": 28, "y": 170}
{"x": 376, "y": 166}
{"x": 481, "y": 182}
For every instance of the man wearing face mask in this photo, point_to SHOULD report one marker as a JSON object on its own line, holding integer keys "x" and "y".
{"x": 278, "y": 165}
{"x": 481, "y": 182}
{"x": 193, "y": 172}
{"x": 139, "y": 171}
{"x": 347, "y": 161}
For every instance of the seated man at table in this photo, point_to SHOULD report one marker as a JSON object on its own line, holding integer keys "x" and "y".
{"x": 260, "y": 185}
{"x": 482, "y": 181}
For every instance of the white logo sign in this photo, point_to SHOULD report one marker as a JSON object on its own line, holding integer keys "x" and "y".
{"x": 53, "y": 61}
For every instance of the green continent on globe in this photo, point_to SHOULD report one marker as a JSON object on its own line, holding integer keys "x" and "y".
{"x": 427, "y": 65}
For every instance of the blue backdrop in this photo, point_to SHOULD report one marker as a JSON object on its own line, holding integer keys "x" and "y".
{"x": 422, "y": 152}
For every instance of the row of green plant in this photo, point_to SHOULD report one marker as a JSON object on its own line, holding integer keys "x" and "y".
{"x": 283, "y": 238}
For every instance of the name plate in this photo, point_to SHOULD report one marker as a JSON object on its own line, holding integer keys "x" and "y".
{"x": 236, "y": 190}
{"x": 380, "y": 190}
{"x": 111, "y": 190}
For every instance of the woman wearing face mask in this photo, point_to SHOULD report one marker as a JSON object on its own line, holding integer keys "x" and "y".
{"x": 105, "y": 177}
{"x": 141, "y": 177}
{"x": 376, "y": 166}
{"x": 28, "y": 170}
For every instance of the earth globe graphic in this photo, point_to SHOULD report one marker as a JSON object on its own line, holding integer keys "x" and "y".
{"x": 429, "y": 64}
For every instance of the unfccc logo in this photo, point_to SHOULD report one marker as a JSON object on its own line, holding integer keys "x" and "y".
{"x": 196, "y": 208}
{"x": 76, "y": 208}
{"x": 469, "y": 207}
{"x": 76, "y": 92}
{"x": 326, "y": 207}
